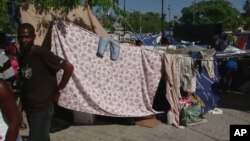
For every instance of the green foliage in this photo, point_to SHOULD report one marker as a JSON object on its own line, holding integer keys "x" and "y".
{"x": 246, "y": 15}
{"x": 134, "y": 21}
{"x": 45, "y": 5}
{"x": 106, "y": 4}
{"x": 4, "y": 17}
{"x": 67, "y": 5}
{"x": 246, "y": 6}
{"x": 146, "y": 22}
{"x": 107, "y": 21}
{"x": 211, "y": 12}
{"x": 64, "y": 5}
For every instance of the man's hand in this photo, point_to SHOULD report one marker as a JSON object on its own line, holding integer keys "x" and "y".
{"x": 55, "y": 97}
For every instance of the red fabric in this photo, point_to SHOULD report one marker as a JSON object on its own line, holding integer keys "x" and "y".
{"x": 241, "y": 42}
{"x": 14, "y": 65}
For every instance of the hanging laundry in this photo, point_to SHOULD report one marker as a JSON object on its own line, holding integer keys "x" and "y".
{"x": 122, "y": 88}
{"x": 113, "y": 46}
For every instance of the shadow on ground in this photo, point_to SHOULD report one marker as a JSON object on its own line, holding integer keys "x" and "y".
{"x": 237, "y": 101}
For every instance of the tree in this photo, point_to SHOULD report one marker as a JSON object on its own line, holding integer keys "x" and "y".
{"x": 107, "y": 21}
{"x": 246, "y": 7}
{"x": 246, "y": 15}
{"x": 4, "y": 16}
{"x": 135, "y": 20}
{"x": 211, "y": 12}
{"x": 67, "y": 5}
{"x": 146, "y": 22}
{"x": 45, "y": 5}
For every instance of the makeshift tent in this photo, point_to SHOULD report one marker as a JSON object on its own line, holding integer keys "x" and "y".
{"x": 81, "y": 16}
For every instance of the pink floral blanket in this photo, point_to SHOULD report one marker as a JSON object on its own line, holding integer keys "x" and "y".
{"x": 122, "y": 88}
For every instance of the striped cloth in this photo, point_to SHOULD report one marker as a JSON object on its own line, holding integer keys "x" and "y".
{"x": 6, "y": 71}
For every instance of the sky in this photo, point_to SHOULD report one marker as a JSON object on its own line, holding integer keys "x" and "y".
{"x": 175, "y": 5}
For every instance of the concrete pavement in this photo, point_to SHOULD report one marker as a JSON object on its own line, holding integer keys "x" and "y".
{"x": 236, "y": 110}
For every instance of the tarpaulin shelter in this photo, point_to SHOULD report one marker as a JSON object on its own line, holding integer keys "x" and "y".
{"x": 81, "y": 15}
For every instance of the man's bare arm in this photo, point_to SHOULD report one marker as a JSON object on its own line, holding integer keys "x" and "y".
{"x": 67, "y": 72}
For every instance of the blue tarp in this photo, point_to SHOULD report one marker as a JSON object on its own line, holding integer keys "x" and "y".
{"x": 150, "y": 41}
{"x": 204, "y": 89}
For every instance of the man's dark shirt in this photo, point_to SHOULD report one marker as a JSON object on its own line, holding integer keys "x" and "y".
{"x": 38, "y": 70}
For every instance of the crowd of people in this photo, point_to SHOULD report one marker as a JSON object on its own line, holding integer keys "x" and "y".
{"x": 31, "y": 72}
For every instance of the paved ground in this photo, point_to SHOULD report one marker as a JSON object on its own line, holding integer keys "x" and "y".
{"x": 236, "y": 110}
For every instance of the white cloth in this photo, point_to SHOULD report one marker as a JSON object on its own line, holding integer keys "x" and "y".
{"x": 3, "y": 128}
{"x": 122, "y": 88}
{"x": 187, "y": 74}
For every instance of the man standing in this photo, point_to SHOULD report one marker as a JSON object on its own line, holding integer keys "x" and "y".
{"x": 38, "y": 68}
